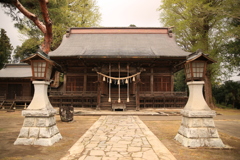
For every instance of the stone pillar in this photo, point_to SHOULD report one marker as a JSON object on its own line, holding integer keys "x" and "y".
{"x": 39, "y": 126}
{"x": 197, "y": 128}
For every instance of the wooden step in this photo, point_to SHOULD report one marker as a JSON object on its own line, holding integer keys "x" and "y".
{"x": 10, "y": 105}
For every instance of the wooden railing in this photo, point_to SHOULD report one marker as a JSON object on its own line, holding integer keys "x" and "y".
{"x": 73, "y": 98}
{"x": 23, "y": 98}
{"x": 163, "y": 94}
{"x": 163, "y": 99}
{"x": 72, "y": 93}
{"x": 17, "y": 98}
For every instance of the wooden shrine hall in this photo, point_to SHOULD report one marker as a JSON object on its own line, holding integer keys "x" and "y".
{"x": 118, "y": 68}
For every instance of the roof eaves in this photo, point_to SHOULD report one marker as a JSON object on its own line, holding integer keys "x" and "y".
{"x": 198, "y": 55}
{"x": 46, "y": 58}
{"x": 116, "y": 56}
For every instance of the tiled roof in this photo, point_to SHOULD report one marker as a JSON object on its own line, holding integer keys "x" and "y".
{"x": 16, "y": 71}
{"x": 118, "y": 43}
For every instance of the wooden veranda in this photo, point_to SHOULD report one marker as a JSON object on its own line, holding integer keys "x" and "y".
{"x": 147, "y": 100}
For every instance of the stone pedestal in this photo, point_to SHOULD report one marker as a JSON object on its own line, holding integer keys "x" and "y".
{"x": 197, "y": 128}
{"x": 39, "y": 126}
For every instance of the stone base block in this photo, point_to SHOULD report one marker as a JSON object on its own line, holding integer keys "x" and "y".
{"x": 199, "y": 142}
{"x": 198, "y": 113}
{"x": 38, "y": 129}
{"x": 38, "y": 141}
{"x": 198, "y": 130}
{"x": 198, "y": 122}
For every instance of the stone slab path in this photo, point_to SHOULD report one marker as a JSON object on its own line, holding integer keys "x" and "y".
{"x": 118, "y": 138}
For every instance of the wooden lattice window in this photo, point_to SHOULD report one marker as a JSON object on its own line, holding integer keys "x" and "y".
{"x": 41, "y": 69}
{"x": 145, "y": 85}
{"x": 74, "y": 83}
{"x": 162, "y": 83}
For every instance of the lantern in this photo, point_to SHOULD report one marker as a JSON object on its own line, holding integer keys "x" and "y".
{"x": 195, "y": 131}
{"x": 196, "y": 66}
{"x": 40, "y": 108}
{"x": 195, "y": 70}
{"x": 42, "y": 66}
{"x": 41, "y": 70}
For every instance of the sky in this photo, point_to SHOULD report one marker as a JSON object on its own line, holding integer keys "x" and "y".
{"x": 122, "y": 13}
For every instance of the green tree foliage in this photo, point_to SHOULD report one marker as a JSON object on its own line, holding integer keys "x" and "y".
{"x": 228, "y": 94}
{"x": 209, "y": 25}
{"x": 132, "y": 25}
{"x": 5, "y": 48}
{"x": 63, "y": 13}
{"x": 84, "y": 13}
{"x": 179, "y": 81}
{"x": 231, "y": 50}
{"x": 28, "y": 47}
{"x": 201, "y": 24}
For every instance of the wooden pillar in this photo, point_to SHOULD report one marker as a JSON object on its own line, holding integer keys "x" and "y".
{"x": 172, "y": 82}
{"x": 137, "y": 93}
{"x": 151, "y": 81}
{"x": 99, "y": 92}
{"x": 85, "y": 80}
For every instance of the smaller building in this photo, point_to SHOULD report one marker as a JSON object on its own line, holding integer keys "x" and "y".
{"x": 15, "y": 83}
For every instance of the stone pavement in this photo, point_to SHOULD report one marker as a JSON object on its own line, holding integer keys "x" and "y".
{"x": 118, "y": 138}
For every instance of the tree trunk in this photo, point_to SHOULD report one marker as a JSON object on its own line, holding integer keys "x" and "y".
{"x": 208, "y": 90}
{"x": 46, "y": 28}
{"x": 46, "y": 46}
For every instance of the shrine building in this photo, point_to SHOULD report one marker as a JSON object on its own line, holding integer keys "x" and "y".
{"x": 118, "y": 68}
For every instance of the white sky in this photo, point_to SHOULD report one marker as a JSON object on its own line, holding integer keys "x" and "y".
{"x": 8, "y": 25}
{"x": 122, "y": 13}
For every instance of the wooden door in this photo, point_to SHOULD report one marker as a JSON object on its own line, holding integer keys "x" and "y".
{"x": 14, "y": 89}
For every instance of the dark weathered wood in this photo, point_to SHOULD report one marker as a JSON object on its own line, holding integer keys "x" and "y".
{"x": 99, "y": 92}
{"x": 137, "y": 93}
